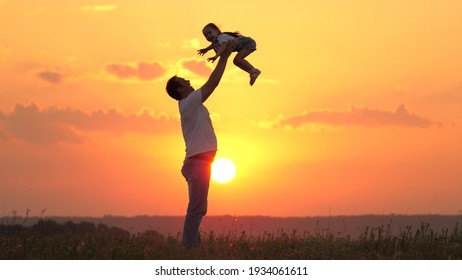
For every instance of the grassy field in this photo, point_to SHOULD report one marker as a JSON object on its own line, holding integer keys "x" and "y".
{"x": 48, "y": 240}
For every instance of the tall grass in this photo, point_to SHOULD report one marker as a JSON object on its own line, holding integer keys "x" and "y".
{"x": 49, "y": 240}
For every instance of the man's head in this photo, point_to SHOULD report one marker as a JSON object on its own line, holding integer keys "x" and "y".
{"x": 178, "y": 88}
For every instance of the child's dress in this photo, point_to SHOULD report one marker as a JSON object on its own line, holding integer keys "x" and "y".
{"x": 243, "y": 43}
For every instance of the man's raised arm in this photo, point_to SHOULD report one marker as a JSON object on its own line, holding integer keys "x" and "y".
{"x": 217, "y": 73}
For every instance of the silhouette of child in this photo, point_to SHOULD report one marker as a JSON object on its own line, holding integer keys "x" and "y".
{"x": 244, "y": 46}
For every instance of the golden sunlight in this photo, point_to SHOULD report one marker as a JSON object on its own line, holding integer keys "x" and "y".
{"x": 223, "y": 170}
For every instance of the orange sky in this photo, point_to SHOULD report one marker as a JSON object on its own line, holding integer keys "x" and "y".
{"x": 357, "y": 110}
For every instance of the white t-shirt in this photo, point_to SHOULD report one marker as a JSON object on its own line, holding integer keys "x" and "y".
{"x": 223, "y": 37}
{"x": 196, "y": 125}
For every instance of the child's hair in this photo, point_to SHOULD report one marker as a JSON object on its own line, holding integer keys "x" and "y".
{"x": 214, "y": 26}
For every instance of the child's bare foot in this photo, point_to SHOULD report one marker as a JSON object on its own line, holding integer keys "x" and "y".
{"x": 254, "y": 75}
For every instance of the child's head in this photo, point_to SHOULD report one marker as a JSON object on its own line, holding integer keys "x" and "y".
{"x": 211, "y": 32}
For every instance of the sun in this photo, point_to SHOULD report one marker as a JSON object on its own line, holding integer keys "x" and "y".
{"x": 223, "y": 170}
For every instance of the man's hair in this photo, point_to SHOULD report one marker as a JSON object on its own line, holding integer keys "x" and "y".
{"x": 172, "y": 88}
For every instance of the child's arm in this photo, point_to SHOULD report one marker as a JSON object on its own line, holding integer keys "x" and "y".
{"x": 232, "y": 43}
{"x": 220, "y": 50}
{"x": 205, "y": 50}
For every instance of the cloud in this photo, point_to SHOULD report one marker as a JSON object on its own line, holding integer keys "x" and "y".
{"x": 142, "y": 70}
{"x": 197, "y": 67}
{"x": 51, "y": 125}
{"x": 194, "y": 44}
{"x": 356, "y": 116}
{"x": 51, "y": 76}
{"x": 99, "y": 8}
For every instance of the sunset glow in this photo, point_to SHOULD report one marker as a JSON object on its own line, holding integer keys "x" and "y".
{"x": 357, "y": 110}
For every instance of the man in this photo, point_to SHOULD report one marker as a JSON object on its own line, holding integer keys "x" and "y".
{"x": 201, "y": 144}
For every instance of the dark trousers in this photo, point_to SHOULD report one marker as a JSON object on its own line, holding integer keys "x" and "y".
{"x": 197, "y": 174}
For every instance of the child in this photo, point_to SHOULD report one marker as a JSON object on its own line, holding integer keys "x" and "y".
{"x": 244, "y": 47}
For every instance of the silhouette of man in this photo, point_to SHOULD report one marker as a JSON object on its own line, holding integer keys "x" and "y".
{"x": 201, "y": 144}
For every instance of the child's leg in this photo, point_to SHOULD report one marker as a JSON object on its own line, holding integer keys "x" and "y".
{"x": 241, "y": 62}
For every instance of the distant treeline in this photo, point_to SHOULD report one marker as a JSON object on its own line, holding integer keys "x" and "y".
{"x": 352, "y": 226}
{"x": 51, "y": 227}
